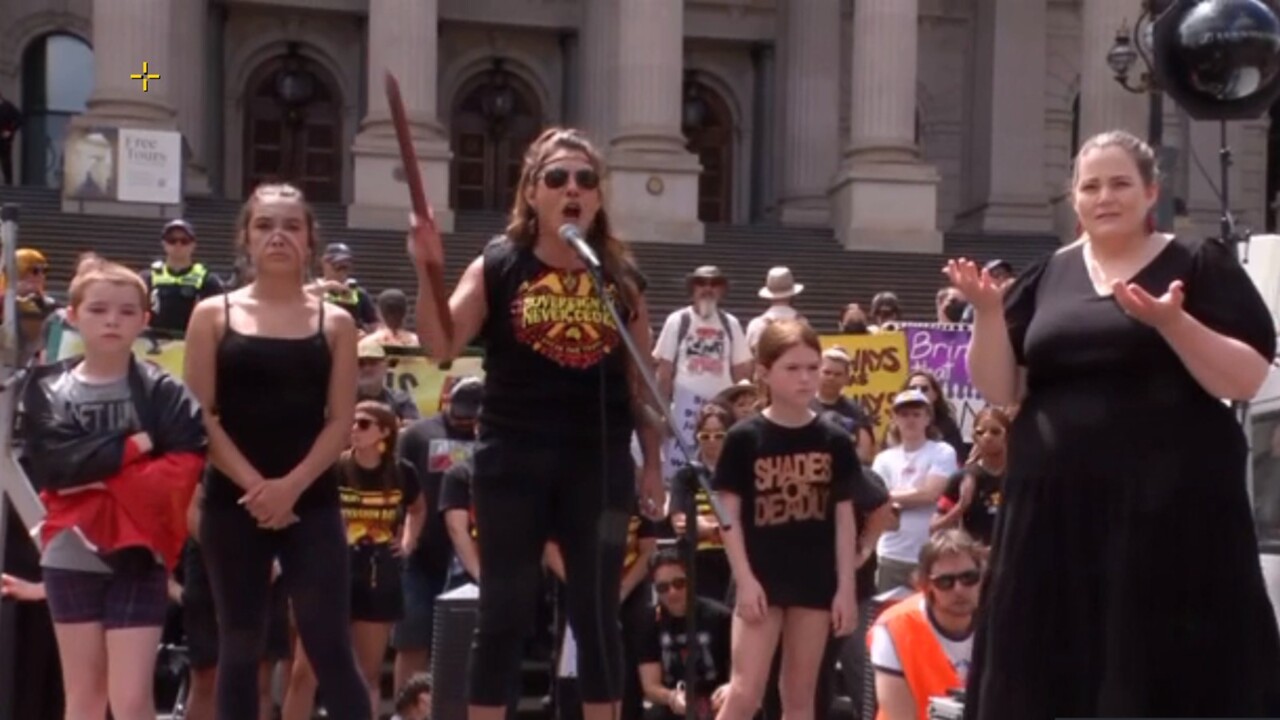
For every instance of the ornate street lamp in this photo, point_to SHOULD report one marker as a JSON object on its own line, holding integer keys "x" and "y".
{"x": 1124, "y": 53}
{"x": 498, "y": 98}
{"x": 295, "y": 84}
{"x": 694, "y": 110}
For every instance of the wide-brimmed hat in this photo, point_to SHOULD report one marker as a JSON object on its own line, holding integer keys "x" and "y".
{"x": 779, "y": 284}
{"x": 706, "y": 272}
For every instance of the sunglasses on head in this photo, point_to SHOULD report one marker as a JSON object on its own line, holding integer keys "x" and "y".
{"x": 584, "y": 178}
{"x": 708, "y": 435}
{"x": 676, "y": 584}
{"x": 968, "y": 578}
{"x": 365, "y": 423}
{"x": 178, "y": 240}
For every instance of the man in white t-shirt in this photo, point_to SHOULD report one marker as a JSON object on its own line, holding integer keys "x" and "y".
{"x": 780, "y": 287}
{"x": 916, "y": 473}
{"x": 700, "y": 352}
{"x": 922, "y": 647}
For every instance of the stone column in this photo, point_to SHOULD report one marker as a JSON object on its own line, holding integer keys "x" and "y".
{"x": 1006, "y": 186}
{"x": 404, "y": 40}
{"x": 598, "y": 70}
{"x": 1104, "y": 104}
{"x": 811, "y": 120}
{"x": 886, "y": 198}
{"x": 653, "y": 182}
{"x": 190, "y": 70}
{"x": 126, "y": 33}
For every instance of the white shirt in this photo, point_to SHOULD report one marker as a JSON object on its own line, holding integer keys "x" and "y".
{"x": 761, "y": 321}
{"x": 904, "y": 470}
{"x": 884, "y": 656}
{"x": 704, "y": 361}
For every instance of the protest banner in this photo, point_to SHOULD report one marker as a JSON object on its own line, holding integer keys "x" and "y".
{"x": 944, "y": 351}
{"x": 879, "y": 370}
{"x": 422, "y": 379}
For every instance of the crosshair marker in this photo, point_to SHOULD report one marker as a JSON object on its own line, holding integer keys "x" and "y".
{"x": 144, "y": 76}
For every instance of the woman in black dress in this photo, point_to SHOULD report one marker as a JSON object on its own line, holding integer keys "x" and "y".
{"x": 1125, "y": 580}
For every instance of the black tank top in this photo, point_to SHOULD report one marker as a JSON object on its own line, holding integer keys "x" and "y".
{"x": 547, "y": 339}
{"x": 272, "y": 399}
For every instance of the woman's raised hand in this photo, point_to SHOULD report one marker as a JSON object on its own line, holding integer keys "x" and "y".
{"x": 979, "y": 288}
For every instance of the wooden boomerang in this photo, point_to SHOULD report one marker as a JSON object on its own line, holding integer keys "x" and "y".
{"x": 417, "y": 196}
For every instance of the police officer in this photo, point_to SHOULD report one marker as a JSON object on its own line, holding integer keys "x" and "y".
{"x": 342, "y": 290}
{"x": 177, "y": 283}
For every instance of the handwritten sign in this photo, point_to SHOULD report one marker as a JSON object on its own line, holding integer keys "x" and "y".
{"x": 880, "y": 367}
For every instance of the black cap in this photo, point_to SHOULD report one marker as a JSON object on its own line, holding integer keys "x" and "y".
{"x": 178, "y": 224}
{"x": 999, "y": 264}
{"x": 465, "y": 397}
{"x": 337, "y": 252}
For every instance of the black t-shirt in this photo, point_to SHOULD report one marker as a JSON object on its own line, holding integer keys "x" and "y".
{"x": 374, "y": 513}
{"x": 172, "y": 302}
{"x": 844, "y": 407}
{"x": 789, "y": 481}
{"x": 979, "y": 520}
{"x": 433, "y": 446}
{"x": 357, "y": 303}
{"x": 547, "y": 340}
{"x": 666, "y": 643}
{"x": 877, "y": 497}
{"x": 455, "y": 491}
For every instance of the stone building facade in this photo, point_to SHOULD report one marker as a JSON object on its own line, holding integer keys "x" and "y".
{"x": 891, "y": 121}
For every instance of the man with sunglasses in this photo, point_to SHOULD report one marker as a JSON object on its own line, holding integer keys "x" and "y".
{"x": 178, "y": 282}
{"x": 701, "y": 351}
{"x": 664, "y": 647}
{"x": 922, "y": 646}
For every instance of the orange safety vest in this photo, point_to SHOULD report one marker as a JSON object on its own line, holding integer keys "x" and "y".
{"x": 927, "y": 668}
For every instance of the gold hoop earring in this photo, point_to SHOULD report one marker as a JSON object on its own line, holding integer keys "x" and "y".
{"x": 382, "y": 447}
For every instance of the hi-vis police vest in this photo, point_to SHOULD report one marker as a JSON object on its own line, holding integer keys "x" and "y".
{"x": 349, "y": 297}
{"x": 160, "y": 276}
{"x": 925, "y": 665}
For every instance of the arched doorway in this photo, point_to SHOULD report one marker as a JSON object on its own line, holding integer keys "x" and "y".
{"x": 57, "y": 79}
{"x": 708, "y": 128}
{"x": 293, "y": 127}
{"x": 1273, "y": 171}
{"x": 495, "y": 117}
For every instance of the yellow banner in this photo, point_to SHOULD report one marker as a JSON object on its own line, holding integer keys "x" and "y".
{"x": 879, "y": 370}
{"x": 422, "y": 379}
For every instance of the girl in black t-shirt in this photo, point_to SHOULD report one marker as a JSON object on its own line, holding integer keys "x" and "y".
{"x": 972, "y": 496}
{"x": 383, "y": 510}
{"x": 786, "y": 478}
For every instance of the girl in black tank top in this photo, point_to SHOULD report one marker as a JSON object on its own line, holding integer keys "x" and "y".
{"x": 553, "y": 458}
{"x": 275, "y": 371}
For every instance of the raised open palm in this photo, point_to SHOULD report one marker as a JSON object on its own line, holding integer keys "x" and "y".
{"x": 979, "y": 288}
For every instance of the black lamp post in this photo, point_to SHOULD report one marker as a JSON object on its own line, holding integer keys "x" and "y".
{"x": 497, "y": 99}
{"x": 1128, "y": 49}
{"x": 694, "y": 109}
{"x": 295, "y": 85}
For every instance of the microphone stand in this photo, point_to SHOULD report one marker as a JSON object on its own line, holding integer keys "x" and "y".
{"x": 701, "y": 477}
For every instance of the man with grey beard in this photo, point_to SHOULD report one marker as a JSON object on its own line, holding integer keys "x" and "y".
{"x": 371, "y": 382}
{"x": 700, "y": 352}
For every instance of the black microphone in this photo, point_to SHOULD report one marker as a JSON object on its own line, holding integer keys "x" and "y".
{"x": 573, "y": 236}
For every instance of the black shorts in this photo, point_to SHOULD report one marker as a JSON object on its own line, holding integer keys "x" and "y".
{"x": 119, "y": 600}
{"x": 377, "y": 587}
{"x": 201, "y": 622}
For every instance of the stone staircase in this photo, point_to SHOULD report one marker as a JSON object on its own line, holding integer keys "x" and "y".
{"x": 832, "y": 276}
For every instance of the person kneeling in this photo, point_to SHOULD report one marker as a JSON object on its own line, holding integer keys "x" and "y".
{"x": 921, "y": 647}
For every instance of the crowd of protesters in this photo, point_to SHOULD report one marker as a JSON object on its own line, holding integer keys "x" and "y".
{"x": 303, "y": 519}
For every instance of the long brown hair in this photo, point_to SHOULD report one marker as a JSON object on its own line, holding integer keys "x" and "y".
{"x": 388, "y": 469}
{"x": 522, "y": 227}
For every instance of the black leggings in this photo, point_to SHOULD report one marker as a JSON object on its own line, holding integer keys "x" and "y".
{"x": 316, "y": 575}
{"x": 526, "y": 493}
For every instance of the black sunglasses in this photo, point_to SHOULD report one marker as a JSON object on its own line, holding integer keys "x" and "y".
{"x": 37, "y": 270}
{"x": 365, "y": 423}
{"x": 675, "y": 584}
{"x": 176, "y": 239}
{"x": 968, "y": 578}
{"x": 584, "y": 178}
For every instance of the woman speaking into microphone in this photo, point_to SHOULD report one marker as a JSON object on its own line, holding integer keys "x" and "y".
{"x": 561, "y": 402}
